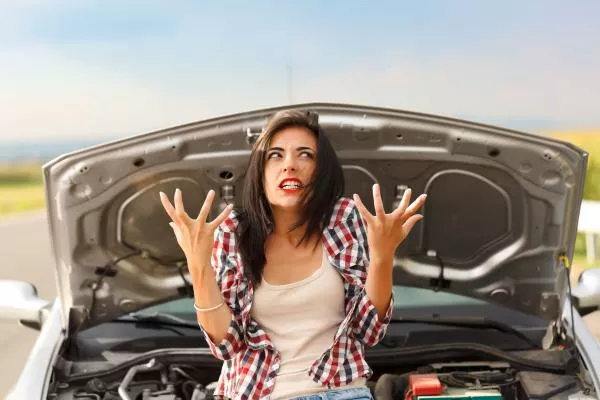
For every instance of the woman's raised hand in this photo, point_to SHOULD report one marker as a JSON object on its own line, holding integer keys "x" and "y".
{"x": 194, "y": 236}
{"x": 196, "y": 239}
{"x": 385, "y": 231}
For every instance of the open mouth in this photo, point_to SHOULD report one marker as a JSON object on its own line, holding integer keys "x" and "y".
{"x": 291, "y": 185}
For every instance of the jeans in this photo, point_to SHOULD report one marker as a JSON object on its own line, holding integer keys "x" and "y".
{"x": 340, "y": 394}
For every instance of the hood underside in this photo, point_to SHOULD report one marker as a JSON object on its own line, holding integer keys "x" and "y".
{"x": 502, "y": 205}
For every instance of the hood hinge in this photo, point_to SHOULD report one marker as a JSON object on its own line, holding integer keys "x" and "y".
{"x": 551, "y": 335}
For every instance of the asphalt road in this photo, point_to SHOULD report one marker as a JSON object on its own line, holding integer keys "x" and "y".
{"x": 26, "y": 255}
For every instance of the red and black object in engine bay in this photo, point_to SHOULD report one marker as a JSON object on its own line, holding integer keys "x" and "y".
{"x": 433, "y": 386}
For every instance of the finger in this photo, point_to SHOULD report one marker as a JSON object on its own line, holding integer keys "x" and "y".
{"x": 410, "y": 223}
{"x": 222, "y": 217}
{"x": 167, "y": 205}
{"x": 377, "y": 202}
{"x": 179, "y": 208}
{"x": 205, "y": 209}
{"x": 362, "y": 210}
{"x": 418, "y": 203}
{"x": 403, "y": 203}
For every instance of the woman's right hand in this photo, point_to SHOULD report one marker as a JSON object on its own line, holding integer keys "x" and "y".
{"x": 194, "y": 236}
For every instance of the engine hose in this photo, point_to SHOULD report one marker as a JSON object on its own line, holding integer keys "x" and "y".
{"x": 131, "y": 374}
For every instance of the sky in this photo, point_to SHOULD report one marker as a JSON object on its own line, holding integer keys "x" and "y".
{"x": 81, "y": 69}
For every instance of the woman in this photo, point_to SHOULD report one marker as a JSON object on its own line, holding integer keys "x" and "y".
{"x": 280, "y": 284}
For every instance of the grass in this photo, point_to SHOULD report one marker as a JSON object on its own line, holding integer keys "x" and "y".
{"x": 21, "y": 198}
{"x": 20, "y": 174}
{"x": 21, "y": 188}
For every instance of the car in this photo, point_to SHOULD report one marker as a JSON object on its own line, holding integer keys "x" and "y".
{"x": 484, "y": 305}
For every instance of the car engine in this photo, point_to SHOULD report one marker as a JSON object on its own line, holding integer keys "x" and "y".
{"x": 156, "y": 380}
{"x": 146, "y": 381}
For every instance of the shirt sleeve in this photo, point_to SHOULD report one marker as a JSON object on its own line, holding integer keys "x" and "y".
{"x": 368, "y": 327}
{"x": 224, "y": 264}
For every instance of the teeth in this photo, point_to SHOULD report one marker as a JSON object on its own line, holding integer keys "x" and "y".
{"x": 291, "y": 186}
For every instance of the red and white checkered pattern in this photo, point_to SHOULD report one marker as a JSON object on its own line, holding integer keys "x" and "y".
{"x": 250, "y": 360}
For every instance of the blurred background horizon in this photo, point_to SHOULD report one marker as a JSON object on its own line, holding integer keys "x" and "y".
{"x": 39, "y": 151}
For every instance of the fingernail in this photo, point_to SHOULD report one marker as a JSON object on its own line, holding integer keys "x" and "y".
{"x": 171, "y": 224}
{"x": 161, "y": 194}
{"x": 177, "y": 190}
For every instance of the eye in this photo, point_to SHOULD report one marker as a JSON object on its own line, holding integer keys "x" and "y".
{"x": 306, "y": 154}
{"x": 273, "y": 155}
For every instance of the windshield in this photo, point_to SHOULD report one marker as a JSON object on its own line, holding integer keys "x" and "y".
{"x": 407, "y": 301}
{"x": 173, "y": 324}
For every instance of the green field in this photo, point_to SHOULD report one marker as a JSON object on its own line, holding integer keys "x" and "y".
{"x": 21, "y": 186}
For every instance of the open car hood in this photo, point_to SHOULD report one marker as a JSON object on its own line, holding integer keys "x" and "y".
{"x": 502, "y": 205}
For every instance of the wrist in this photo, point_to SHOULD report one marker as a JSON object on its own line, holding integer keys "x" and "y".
{"x": 381, "y": 261}
{"x": 200, "y": 273}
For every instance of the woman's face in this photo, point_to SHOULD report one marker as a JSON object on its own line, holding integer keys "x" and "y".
{"x": 290, "y": 163}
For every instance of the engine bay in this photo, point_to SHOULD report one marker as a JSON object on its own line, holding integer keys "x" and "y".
{"x": 189, "y": 377}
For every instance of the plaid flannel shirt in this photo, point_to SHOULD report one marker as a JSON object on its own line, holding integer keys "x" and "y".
{"x": 250, "y": 360}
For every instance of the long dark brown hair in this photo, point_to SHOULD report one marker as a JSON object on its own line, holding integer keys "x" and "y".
{"x": 318, "y": 198}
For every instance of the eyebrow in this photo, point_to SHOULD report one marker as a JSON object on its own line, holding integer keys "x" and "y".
{"x": 297, "y": 148}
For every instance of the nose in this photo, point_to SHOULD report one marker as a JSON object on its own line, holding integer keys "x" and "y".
{"x": 289, "y": 163}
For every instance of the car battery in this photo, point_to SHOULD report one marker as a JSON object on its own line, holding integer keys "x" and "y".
{"x": 465, "y": 394}
{"x": 429, "y": 387}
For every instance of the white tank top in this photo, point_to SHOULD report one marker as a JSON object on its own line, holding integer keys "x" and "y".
{"x": 301, "y": 319}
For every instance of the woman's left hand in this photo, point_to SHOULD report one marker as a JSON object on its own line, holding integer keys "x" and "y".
{"x": 385, "y": 231}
